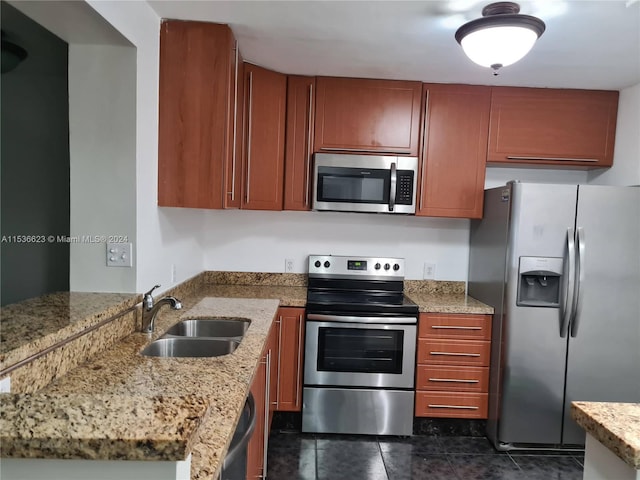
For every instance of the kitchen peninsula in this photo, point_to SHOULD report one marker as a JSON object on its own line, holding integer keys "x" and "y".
{"x": 122, "y": 406}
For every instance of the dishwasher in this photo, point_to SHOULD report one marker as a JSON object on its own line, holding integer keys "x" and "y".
{"x": 234, "y": 466}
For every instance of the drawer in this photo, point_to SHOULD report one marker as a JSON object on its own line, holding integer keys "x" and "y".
{"x": 451, "y": 404}
{"x": 461, "y": 379}
{"x": 454, "y": 352}
{"x": 472, "y": 327}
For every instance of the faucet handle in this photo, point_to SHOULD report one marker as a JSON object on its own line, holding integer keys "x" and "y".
{"x": 148, "y": 298}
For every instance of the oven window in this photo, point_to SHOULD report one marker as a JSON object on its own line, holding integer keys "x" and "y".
{"x": 360, "y": 350}
{"x": 353, "y": 185}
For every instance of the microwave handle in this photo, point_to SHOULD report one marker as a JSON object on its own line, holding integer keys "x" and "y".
{"x": 393, "y": 188}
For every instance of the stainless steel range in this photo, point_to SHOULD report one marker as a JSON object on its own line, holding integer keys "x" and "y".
{"x": 360, "y": 347}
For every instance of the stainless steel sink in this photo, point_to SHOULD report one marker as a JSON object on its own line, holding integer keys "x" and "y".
{"x": 190, "y": 347}
{"x": 210, "y": 327}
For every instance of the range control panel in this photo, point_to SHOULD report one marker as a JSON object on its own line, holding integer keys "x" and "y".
{"x": 356, "y": 267}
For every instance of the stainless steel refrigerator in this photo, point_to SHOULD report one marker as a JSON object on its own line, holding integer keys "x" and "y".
{"x": 560, "y": 264}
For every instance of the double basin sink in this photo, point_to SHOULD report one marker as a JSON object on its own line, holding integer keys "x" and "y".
{"x": 201, "y": 337}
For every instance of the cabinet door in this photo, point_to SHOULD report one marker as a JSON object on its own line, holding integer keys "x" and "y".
{"x": 273, "y": 343}
{"x": 299, "y": 142}
{"x": 194, "y": 113}
{"x": 456, "y": 123}
{"x": 255, "y": 447}
{"x": 552, "y": 127}
{"x": 367, "y": 116}
{"x": 263, "y": 173}
{"x": 289, "y": 395}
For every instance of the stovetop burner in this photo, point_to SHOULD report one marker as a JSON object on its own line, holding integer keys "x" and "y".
{"x": 373, "y": 286}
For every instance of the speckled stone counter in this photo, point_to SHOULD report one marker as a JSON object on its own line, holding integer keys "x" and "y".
{"x": 33, "y": 325}
{"x": 121, "y": 405}
{"x": 615, "y": 425}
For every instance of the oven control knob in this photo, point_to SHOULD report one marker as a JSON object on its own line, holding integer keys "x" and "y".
{"x": 317, "y": 264}
{"x": 377, "y": 266}
{"x": 387, "y": 266}
{"x": 396, "y": 267}
{"x": 327, "y": 264}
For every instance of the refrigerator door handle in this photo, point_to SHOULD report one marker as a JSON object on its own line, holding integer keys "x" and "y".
{"x": 569, "y": 271}
{"x": 577, "y": 300}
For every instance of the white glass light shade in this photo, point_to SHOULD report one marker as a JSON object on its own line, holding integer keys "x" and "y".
{"x": 500, "y": 45}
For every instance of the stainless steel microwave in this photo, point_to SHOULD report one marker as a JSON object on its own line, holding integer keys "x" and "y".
{"x": 364, "y": 183}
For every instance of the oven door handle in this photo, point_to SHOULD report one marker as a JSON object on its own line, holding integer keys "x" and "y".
{"x": 361, "y": 319}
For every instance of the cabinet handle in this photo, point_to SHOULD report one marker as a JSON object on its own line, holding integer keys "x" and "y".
{"x": 364, "y": 150}
{"x": 424, "y": 141}
{"x": 266, "y": 411}
{"x": 298, "y": 372}
{"x": 455, "y": 354}
{"x": 454, "y": 327}
{"x": 308, "y": 160}
{"x": 248, "y": 181}
{"x": 235, "y": 128}
{"x": 279, "y": 322}
{"x": 560, "y": 159}
{"x": 460, "y": 407}
{"x": 453, "y": 380}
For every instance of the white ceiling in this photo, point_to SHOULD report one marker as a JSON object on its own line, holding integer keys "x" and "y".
{"x": 587, "y": 43}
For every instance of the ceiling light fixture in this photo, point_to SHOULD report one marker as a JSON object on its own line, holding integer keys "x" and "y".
{"x": 501, "y": 37}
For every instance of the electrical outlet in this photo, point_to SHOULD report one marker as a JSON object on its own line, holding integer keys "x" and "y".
{"x": 429, "y": 272}
{"x": 119, "y": 254}
{"x": 288, "y": 265}
{"x": 5, "y": 385}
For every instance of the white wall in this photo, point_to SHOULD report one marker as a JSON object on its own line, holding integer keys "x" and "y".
{"x": 626, "y": 157}
{"x": 102, "y": 151}
{"x": 166, "y": 237}
{"x": 260, "y": 241}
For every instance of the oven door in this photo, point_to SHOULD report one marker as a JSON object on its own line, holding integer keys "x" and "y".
{"x": 360, "y": 353}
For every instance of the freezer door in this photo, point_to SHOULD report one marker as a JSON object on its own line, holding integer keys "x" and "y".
{"x": 604, "y": 349}
{"x": 534, "y": 353}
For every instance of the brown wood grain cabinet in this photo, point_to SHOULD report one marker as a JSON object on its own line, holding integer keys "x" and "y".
{"x": 367, "y": 116}
{"x": 265, "y": 96}
{"x": 452, "y": 374}
{"x": 197, "y": 107}
{"x": 570, "y": 128}
{"x": 263, "y": 389}
{"x": 290, "y": 360}
{"x": 299, "y": 142}
{"x": 453, "y": 159}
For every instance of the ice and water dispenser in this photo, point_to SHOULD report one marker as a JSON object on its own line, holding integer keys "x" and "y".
{"x": 539, "y": 280}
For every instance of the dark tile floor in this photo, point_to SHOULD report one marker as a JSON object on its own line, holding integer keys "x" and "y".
{"x": 294, "y": 455}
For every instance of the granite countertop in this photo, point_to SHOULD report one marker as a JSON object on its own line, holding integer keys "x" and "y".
{"x": 31, "y": 326}
{"x": 121, "y": 405}
{"x": 615, "y": 425}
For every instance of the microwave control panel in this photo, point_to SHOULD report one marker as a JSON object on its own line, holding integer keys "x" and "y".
{"x": 404, "y": 192}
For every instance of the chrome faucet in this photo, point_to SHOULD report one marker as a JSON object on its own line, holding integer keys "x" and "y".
{"x": 150, "y": 309}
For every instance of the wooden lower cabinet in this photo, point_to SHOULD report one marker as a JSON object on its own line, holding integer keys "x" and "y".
{"x": 290, "y": 359}
{"x": 262, "y": 389}
{"x": 452, "y": 375}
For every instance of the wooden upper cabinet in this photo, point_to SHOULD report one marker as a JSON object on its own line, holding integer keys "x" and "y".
{"x": 264, "y": 112}
{"x": 235, "y": 140}
{"x": 552, "y": 127}
{"x": 299, "y": 142}
{"x": 196, "y": 113}
{"x": 367, "y": 116}
{"x": 456, "y": 123}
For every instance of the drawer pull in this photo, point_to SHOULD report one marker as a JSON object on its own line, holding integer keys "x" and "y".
{"x": 460, "y": 407}
{"x": 560, "y": 159}
{"x": 452, "y": 354}
{"x": 453, "y": 327}
{"x": 453, "y": 380}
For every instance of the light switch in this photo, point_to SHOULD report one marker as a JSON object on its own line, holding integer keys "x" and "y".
{"x": 119, "y": 254}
